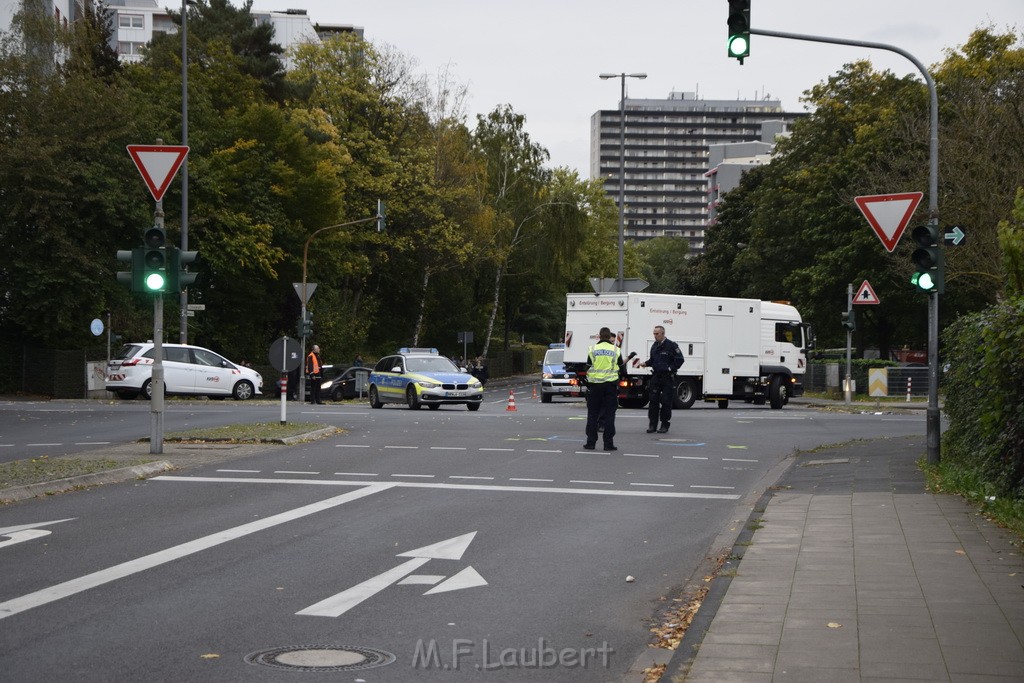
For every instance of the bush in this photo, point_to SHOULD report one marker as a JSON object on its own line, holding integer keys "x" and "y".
{"x": 986, "y": 409}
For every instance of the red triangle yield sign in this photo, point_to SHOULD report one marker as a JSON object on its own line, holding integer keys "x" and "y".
{"x": 889, "y": 214}
{"x": 866, "y": 295}
{"x": 158, "y": 164}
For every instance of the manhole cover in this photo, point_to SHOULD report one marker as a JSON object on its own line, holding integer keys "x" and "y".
{"x": 321, "y": 658}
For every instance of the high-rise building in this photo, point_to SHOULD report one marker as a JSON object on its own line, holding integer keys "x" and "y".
{"x": 666, "y": 162}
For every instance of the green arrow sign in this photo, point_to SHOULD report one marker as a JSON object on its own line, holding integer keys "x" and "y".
{"x": 954, "y": 237}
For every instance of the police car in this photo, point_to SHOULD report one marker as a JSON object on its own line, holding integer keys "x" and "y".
{"x": 422, "y": 377}
{"x": 556, "y": 380}
{"x": 187, "y": 370}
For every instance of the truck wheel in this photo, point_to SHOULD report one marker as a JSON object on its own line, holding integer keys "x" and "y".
{"x": 374, "y": 398}
{"x": 723, "y": 403}
{"x": 778, "y": 392}
{"x": 686, "y": 393}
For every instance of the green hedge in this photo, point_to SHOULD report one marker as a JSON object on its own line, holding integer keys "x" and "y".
{"x": 985, "y": 438}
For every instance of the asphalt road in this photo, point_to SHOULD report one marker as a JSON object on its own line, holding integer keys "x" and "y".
{"x": 452, "y": 541}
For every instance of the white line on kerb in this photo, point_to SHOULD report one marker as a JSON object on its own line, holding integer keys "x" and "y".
{"x": 120, "y": 571}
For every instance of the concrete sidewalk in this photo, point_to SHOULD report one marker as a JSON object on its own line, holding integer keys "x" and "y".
{"x": 855, "y": 573}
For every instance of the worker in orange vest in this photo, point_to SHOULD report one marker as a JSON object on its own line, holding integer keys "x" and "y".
{"x": 314, "y": 371}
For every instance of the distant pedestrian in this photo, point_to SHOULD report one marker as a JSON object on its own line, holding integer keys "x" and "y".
{"x": 315, "y": 373}
{"x": 605, "y": 361}
{"x": 358, "y": 362}
{"x": 665, "y": 360}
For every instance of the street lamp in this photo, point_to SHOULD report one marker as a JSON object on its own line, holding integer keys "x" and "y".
{"x": 183, "y": 296}
{"x": 622, "y": 162}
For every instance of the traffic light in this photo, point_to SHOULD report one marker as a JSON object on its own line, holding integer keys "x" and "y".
{"x": 306, "y": 325}
{"x": 929, "y": 275}
{"x": 849, "y": 320}
{"x": 179, "y": 279}
{"x": 155, "y": 261}
{"x": 134, "y": 258}
{"x": 739, "y": 29}
{"x": 380, "y": 215}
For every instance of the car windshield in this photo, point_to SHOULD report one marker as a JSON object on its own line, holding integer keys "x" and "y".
{"x": 554, "y": 356}
{"x": 432, "y": 364}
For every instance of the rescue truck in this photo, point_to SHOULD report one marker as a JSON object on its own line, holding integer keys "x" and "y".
{"x": 734, "y": 349}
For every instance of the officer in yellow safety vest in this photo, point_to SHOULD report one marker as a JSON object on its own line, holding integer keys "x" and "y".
{"x": 606, "y": 363}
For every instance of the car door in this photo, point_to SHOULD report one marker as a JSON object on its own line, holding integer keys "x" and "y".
{"x": 390, "y": 387}
{"x": 214, "y": 375}
{"x": 179, "y": 375}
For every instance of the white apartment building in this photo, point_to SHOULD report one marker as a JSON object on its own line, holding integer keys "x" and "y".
{"x": 137, "y": 21}
{"x": 667, "y": 157}
{"x": 730, "y": 160}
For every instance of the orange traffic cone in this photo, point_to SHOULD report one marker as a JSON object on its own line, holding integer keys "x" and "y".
{"x": 511, "y": 401}
{"x": 535, "y": 391}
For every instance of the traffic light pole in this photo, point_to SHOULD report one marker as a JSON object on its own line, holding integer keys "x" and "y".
{"x": 156, "y": 403}
{"x": 848, "y": 384}
{"x": 933, "y": 425}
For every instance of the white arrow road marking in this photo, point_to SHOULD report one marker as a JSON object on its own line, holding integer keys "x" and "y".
{"x": 336, "y": 605}
{"x": 421, "y": 580}
{"x": 26, "y": 535}
{"x": 84, "y": 583}
{"x": 7, "y": 530}
{"x": 467, "y": 578}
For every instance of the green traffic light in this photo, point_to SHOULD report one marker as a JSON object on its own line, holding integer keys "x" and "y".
{"x": 738, "y": 46}
{"x": 923, "y": 281}
{"x": 155, "y": 282}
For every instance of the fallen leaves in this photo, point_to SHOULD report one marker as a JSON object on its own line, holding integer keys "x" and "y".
{"x": 209, "y": 655}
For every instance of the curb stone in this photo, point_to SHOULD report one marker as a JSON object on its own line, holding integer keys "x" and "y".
{"x": 16, "y": 493}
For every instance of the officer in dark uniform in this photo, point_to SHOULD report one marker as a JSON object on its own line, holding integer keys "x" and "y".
{"x": 665, "y": 360}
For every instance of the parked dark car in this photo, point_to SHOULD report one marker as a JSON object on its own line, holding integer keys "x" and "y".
{"x": 339, "y": 383}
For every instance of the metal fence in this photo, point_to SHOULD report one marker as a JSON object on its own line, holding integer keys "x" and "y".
{"x": 828, "y": 377}
{"x": 47, "y": 372}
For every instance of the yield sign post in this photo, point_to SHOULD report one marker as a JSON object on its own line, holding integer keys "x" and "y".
{"x": 889, "y": 214}
{"x": 865, "y": 295}
{"x": 158, "y": 164}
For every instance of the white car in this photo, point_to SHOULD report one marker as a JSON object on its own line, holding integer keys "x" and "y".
{"x": 187, "y": 370}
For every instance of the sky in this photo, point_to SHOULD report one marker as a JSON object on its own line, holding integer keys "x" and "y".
{"x": 543, "y": 57}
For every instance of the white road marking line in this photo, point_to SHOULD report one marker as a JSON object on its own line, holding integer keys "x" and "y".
{"x": 293, "y": 472}
{"x": 640, "y": 455}
{"x": 537, "y": 450}
{"x": 241, "y": 471}
{"x": 424, "y": 476}
{"x": 688, "y": 457}
{"x": 120, "y": 571}
{"x": 421, "y": 579}
{"x": 447, "y": 448}
{"x": 92, "y": 443}
{"x": 528, "y": 479}
{"x": 588, "y": 481}
{"x": 6, "y": 445}
{"x": 503, "y": 450}
{"x": 698, "y": 486}
{"x": 351, "y": 445}
{"x": 44, "y": 444}
{"x": 737, "y": 460}
{"x": 752, "y": 417}
{"x": 460, "y": 476}
{"x": 458, "y": 487}
{"x": 412, "y": 447}
{"x": 640, "y": 483}
{"x": 356, "y": 474}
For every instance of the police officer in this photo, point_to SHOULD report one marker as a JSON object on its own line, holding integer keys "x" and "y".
{"x": 606, "y": 363}
{"x": 315, "y": 372}
{"x": 665, "y": 360}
